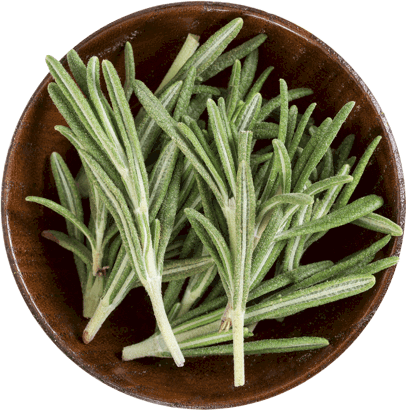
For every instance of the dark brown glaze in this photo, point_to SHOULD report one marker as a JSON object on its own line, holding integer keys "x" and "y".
{"x": 46, "y": 275}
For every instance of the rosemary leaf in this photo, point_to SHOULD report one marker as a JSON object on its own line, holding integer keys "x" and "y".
{"x": 256, "y": 88}
{"x": 358, "y": 171}
{"x": 161, "y": 177}
{"x": 283, "y": 165}
{"x": 206, "y": 89}
{"x": 283, "y": 120}
{"x": 295, "y": 199}
{"x": 185, "y": 95}
{"x": 379, "y": 223}
{"x": 266, "y": 130}
{"x": 294, "y": 344}
{"x": 167, "y": 212}
{"x": 342, "y": 216}
{"x": 129, "y": 69}
{"x": 227, "y": 59}
{"x": 248, "y": 72}
{"x": 343, "y": 151}
{"x": 276, "y": 102}
{"x": 317, "y": 295}
{"x": 208, "y": 52}
{"x": 78, "y": 70}
{"x": 323, "y": 144}
{"x": 71, "y": 244}
{"x": 68, "y": 215}
{"x": 150, "y": 129}
{"x": 233, "y": 91}
{"x": 300, "y": 130}
{"x": 248, "y": 115}
{"x": 215, "y": 245}
{"x": 374, "y": 267}
{"x": 222, "y": 143}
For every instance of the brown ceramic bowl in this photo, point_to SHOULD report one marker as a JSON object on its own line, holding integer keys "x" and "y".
{"x": 43, "y": 270}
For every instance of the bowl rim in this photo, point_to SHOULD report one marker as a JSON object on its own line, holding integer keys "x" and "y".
{"x": 395, "y": 250}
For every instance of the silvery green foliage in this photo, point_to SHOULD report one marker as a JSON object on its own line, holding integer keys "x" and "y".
{"x": 256, "y": 229}
{"x": 248, "y": 209}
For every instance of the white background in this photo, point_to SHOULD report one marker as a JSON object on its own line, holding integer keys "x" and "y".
{"x": 369, "y": 35}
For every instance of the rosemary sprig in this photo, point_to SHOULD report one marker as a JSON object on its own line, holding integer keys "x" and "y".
{"x": 221, "y": 177}
{"x": 129, "y": 208}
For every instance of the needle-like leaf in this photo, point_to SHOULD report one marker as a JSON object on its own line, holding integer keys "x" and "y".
{"x": 71, "y": 244}
{"x": 227, "y": 59}
{"x": 349, "y": 213}
{"x": 129, "y": 69}
{"x": 215, "y": 245}
{"x": 211, "y": 49}
{"x": 68, "y": 215}
{"x": 379, "y": 223}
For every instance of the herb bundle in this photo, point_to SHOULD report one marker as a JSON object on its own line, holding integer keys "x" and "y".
{"x": 173, "y": 196}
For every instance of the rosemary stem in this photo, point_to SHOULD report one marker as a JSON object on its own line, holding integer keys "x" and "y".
{"x": 93, "y": 292}
{"x": 106, "y": 306}
{"x": 238, "y": 346}
{"x": 188, "y": 48}
{"x": 156, "y": 344}
{"x": 97, "y": 256}
{"x": 153, "y": 288}
{"x": 100, "y": 315}
{"x": 148, "y": 347}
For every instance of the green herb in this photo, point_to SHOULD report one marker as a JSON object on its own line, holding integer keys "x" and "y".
{"x": 176, "y": 198}
{"x": 129, "y": 206}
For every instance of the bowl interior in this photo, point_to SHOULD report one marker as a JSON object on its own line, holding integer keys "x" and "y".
{"x": 46, "y": 274}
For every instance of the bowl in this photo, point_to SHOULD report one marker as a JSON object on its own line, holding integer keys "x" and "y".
{"x": 43, "y": 271}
